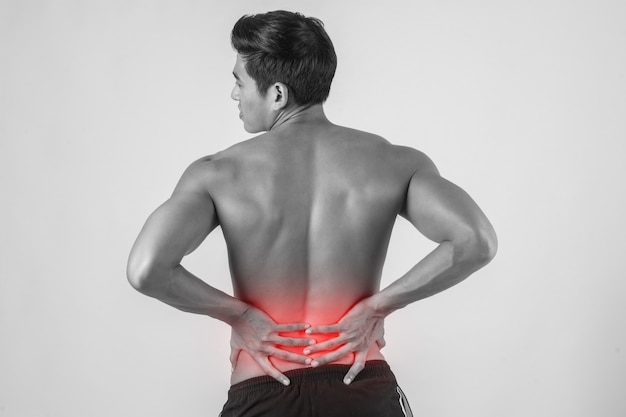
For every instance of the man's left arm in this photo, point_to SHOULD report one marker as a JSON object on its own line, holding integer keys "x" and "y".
{"x": 176, "y": 229}
{"x": 172, "y": 231}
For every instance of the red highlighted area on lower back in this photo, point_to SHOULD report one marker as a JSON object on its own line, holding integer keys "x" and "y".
{"x": 321, "y": 306}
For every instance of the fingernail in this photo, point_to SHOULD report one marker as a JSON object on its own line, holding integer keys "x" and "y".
{"x": 314, "y": 364}
{"x": 285, "y": 381}
{"x": 311, "y": 342}
{"x": 308, "y": 361}
{"x": 347, "y": 381}
{"x": 307, "y": 351}
{"x": 307, "y": 331}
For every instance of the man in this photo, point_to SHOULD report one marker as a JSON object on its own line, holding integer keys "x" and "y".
{"x": 307, "y": 210}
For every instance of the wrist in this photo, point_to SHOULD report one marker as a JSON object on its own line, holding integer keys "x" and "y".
{"x": 234, "y": 311}
{"x": 379, "y": 304}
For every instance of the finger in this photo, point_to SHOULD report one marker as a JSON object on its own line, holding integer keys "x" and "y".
{"x": 269, "y": 369}
{"x": 356, "y": 368}
{"x": 289, "y": 356}
{"x": 326, "y": 345}
{"x": 289, "y": 341}
{"x": 331, "y": 328}
{"x": 291, "y": 327}
{"x": 234, "y": 357}
{"x": 332, "y": 356}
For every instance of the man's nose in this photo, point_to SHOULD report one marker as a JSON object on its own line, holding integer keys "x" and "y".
{"x": 234, "y": 94}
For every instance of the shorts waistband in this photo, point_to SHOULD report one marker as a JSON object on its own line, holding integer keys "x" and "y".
{"x": 373, "y": 369}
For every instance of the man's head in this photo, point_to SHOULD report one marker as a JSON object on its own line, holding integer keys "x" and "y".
{"x": 287, "y": 48}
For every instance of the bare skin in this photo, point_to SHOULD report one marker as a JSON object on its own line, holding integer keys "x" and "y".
{"x": 307, "y": 210}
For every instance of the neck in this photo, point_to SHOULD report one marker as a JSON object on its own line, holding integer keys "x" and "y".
{"x": 300, "y": 114}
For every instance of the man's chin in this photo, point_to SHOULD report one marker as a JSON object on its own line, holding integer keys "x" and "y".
{"x": 252, "y": 129}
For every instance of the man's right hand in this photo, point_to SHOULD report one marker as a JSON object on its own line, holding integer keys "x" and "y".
{"x": 258, "y": 335}
{"x": 360, "y": 328}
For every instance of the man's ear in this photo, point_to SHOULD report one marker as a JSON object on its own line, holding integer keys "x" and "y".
{"x": 280, "y": 96}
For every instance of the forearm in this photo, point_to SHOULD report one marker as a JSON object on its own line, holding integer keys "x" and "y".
{"x": 444, "y": 267}
{"x": 181, "y": 289}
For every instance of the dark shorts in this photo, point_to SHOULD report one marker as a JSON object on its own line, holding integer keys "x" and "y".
{"x": 320, "y": 392}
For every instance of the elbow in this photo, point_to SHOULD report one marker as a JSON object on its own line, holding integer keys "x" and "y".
{"x": 487, "y": 247}
{"x": 137, "y": 273}
{"x": 141, "y": 274}
{"x": 480, "y": 247}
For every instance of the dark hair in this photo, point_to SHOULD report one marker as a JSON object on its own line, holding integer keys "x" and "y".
{"x": 290, "y": 48}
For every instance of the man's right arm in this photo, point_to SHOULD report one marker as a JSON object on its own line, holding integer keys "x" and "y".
{"x": 444, "y": 213}
{"x": 447, "y": 215}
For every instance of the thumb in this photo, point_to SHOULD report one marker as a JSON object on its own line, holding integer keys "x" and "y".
{"x": 234, "y": 357}
{"x": 381, "y": 342}
{"x": 357, "y": 366}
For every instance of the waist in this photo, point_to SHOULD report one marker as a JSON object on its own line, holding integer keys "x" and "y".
{"x": 376, "y": 368}
{"x": 248, "y": 368}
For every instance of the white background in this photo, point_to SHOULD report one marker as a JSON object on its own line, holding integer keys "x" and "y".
{"x": 523, "y": 104}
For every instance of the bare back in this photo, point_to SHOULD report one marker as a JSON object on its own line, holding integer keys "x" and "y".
{"x": 307, "y": 213}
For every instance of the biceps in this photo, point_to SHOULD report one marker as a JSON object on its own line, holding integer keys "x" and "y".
{"x": 175, "y": 229}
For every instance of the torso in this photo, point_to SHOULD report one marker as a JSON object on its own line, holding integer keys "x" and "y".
{"x": 307, "y": 214}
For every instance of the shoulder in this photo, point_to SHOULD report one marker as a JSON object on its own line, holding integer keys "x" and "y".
{"x": 205, "y": 171}
{"x": 211, "y": 170}
{"x": 402, "y": 156}
{"x": 195, "y": 175}
{"x": 359, "y": 136}
{"x": 419, "y": 162}
{"x": 241, "y": 153}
